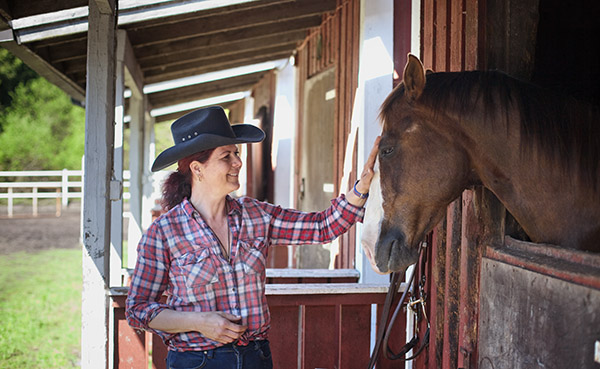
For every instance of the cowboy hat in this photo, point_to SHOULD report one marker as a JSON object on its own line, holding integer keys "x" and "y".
{"x": 204, "y": 129}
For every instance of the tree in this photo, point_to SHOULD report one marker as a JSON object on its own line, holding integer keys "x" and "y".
{"x": 12, "y": 73}
{"x": 42, "y": 129}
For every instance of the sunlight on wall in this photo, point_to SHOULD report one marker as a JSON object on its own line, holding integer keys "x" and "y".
{"x": 375, "y": 60}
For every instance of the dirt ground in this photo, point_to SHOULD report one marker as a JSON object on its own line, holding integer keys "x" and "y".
{"x": 24, "y": 232}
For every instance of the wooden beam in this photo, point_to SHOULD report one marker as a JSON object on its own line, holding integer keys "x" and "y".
{"x": 20, "y": 9}
{"x": 203, "y": 90}
{"x": 190, "y": 69}
{"x": 134, "y": 78}
{"x": 203, "y": 60}
{"x": 226, "y": 48}
{"x": 45, "y": 69}
{"x": 175, "y": 115}
{"x": 247, "y": 33}
{"x": 99, "y": 132}
{"x": 198, "y": 26}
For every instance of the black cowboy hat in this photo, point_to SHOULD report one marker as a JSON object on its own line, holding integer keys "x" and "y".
{"x": 204, "y": 129}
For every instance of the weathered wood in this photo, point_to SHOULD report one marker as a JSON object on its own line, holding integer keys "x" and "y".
{"x": 312, "y": 326}
{"x": 229, "y": 36}
{"x": 270, "y": 14}
{"x": 226, "y": 48}
{"x": 99, "y": 133}
{"x": 529, "y": 319}
{"x": 186, "y": 70}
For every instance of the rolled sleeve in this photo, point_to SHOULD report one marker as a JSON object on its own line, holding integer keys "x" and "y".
{"x": 148, "y": 283}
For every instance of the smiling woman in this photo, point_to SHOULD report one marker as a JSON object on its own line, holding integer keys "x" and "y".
{"x": 208, "y": 251}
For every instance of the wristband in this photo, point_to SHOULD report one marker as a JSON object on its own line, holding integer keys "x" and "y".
{"x": 360, "y": 195}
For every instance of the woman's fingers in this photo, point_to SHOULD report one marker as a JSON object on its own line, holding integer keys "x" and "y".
{"x": 368, "y": 169}
{"x": 222, "y": 327}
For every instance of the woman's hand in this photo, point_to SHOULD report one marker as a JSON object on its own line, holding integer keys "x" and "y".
{"x": 364, "y": 182}
{"x": 220, "y": 326}
{"x": 365, "y": 178}
{"x": 216, "y": 325}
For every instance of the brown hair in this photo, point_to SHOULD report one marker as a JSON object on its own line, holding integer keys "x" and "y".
{"x": 178, "y": 184}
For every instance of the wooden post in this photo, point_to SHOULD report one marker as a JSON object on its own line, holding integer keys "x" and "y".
{"x": 99, "y": 134}
{"x": 149, "y": 154}
{"x": 65, "y": 187}
{"x": 10, "y": 202}
{"x": 34, "y": 200}
{"x": 136, "y": 169}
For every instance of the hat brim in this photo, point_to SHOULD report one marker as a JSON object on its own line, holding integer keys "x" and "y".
{"x": 245, "y": 133}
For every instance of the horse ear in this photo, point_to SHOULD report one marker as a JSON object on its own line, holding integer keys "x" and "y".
{"x": 414, "y": 77}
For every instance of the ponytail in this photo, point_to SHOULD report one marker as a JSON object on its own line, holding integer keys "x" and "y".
{"x": 178, "y": 185}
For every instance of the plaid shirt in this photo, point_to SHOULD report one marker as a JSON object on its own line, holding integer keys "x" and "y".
{"x": 180, "y": 256}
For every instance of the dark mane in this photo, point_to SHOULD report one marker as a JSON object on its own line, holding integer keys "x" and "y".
{"x": 564, "y": 129}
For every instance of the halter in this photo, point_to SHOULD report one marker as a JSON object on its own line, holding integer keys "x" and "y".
{"x": 385, "y": 328}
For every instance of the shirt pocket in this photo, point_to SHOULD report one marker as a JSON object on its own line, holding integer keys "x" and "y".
{"x": 253, "y": 256}
{"x": 197, "y": 269}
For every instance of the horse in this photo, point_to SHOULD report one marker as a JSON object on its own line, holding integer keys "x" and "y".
{"x": 445, "y": 132}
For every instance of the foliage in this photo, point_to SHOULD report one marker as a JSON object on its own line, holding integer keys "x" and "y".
{"x": 42, "y": 129}
{"x": 40, "y": 309}
{"x": 12, "y": 73}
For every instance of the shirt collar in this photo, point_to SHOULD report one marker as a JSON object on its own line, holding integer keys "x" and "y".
{"x": 232, "y": 205}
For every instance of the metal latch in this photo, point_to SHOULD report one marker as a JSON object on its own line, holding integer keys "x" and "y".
{"x": 116, "y": 190}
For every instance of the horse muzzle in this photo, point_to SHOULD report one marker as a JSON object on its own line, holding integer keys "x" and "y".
{"x": 393, "y": 254}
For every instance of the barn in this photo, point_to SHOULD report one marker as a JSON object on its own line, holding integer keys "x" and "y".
{"x": 313, "y": 74}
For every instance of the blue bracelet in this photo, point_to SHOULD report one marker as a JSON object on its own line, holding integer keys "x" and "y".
{"x": 360, "y": 195}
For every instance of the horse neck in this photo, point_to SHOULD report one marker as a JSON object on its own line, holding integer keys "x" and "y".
{"x": 550, "y": 205}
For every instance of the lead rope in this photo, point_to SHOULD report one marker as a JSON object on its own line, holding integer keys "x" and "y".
{"x": 385, "y": 327}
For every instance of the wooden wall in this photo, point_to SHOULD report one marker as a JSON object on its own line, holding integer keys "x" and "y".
{"x": 468, "y": 35}
{"x": 333, "y": 45}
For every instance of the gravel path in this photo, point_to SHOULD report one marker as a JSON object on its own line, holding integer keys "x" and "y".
{"x": 24, "y": 232}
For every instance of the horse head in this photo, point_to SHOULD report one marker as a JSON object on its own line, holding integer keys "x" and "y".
{"x": 422, "y": 170}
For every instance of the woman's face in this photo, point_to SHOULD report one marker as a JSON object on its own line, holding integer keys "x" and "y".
{"x": 220, "y": 172}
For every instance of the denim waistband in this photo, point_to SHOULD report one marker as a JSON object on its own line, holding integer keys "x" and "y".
{"x": 251, "y": 345}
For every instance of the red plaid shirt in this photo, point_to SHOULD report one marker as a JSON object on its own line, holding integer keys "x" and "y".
{"x": 180, "y": 256}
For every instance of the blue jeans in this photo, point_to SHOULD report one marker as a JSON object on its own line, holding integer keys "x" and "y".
{"x": 257, "y": 355}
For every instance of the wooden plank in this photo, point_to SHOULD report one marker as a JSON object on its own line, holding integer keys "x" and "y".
{"x": 224, "y": 49}
{"x": 190, "y": 69}
{"x": 198, "y": 26}
{"x": 437, "y": 292}
{"x": 226, "y": 37}
{"x": 457, "y": 36}
{"x": 402, "y": 36}
{"x": 320, "y": 337}
{"x": 99, "y": 133}
{"x": 442, "y": 35}
{"x": 570, "y": 265}
{"x": 452, "y": 284}
{"x": 159, "y": 352}
{"x": 129, "y": 344}
{"x": 540, "y": 321}
{"x": 428, "y": 34}
{"x": 354, "y": 342}
{"x": 474, "y": 34}
{"x": 283, "y": 336}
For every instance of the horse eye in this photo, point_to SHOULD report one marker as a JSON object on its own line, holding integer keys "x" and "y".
{"x": 387, "y": 151}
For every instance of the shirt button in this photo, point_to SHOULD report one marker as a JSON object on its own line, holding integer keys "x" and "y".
{"x": 233, "y": 290}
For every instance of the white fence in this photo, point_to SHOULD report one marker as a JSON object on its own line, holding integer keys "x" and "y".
{"x": 61, "y": 181}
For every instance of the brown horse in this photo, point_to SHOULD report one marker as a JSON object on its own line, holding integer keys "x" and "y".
{"x": 446, "y": 132}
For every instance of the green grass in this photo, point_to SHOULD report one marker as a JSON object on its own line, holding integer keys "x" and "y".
{"x": 40, "y": 309}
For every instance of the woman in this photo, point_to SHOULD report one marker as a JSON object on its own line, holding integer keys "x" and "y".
{"x": 207, "y": 252}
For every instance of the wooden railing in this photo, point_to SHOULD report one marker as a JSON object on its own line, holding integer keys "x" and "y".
{"x": 45, "y": 184}
{"x": 313, "y": 325}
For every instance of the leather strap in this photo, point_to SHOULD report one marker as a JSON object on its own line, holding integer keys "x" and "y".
{"x": 385, "y": 327}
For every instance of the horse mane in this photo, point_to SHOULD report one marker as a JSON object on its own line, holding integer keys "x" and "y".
{"x": 564, "y": 129}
